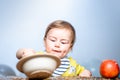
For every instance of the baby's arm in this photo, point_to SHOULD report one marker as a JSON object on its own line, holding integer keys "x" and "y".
{"x": 85, "y": 73}
{"x": 24, "y": 52}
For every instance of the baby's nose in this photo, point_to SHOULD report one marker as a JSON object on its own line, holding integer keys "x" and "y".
{"x": 57, "y": 44}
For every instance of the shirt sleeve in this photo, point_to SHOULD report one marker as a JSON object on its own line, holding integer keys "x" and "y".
{"x": 74, "y": 68}
{"x": 78, "y": 67}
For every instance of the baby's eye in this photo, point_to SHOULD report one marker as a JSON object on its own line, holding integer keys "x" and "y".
{"x": 64, "y": 42}
{"x": 53, "y": 40}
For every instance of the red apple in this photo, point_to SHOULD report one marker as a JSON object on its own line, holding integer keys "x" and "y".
{"x": 109, "y": 68}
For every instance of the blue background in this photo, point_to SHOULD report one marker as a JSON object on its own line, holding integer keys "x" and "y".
{"x": 97, "y": 24}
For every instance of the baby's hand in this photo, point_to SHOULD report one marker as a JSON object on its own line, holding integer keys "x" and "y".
{"x": 85, "y": 73}
{"x": 24, "y": 52}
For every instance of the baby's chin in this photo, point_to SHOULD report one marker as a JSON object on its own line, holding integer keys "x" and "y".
{"x": 55, "y": 54}
{"x": 58, "y": 55}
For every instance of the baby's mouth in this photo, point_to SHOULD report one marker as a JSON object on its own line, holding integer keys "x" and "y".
{"x": 56, "y": 51}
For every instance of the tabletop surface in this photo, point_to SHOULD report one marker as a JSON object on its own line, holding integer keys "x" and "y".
{"x": 57, "y": 78}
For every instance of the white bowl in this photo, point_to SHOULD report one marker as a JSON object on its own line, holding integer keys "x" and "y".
{"x": 38, "y": 66}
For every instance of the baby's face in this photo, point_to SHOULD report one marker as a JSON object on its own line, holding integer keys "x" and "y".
{"x": 58, "y": 42}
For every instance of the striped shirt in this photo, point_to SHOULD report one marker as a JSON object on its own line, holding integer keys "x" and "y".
{"x": 65, "y": 62}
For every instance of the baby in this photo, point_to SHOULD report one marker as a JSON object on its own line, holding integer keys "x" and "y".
{"x": 59, "y": 39}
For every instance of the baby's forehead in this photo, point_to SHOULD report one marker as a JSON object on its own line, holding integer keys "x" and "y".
{"x": 59, "y": 31}
{"x": 66, "y": 30}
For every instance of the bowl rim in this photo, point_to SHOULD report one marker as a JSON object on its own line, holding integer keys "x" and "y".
{"x": 23, "y": 60}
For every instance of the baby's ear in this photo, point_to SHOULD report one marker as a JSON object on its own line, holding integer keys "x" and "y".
{"x": 71, "y": 46}
{"x": 45, "y": 42}
{"x": 70, "y": 49}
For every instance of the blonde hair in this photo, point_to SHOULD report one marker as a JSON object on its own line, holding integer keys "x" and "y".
{"x": 62, "y": 25}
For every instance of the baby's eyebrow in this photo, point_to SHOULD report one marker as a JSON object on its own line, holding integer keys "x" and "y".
{"x": 51, "y": 37}
{"x": 65, "y": 40}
